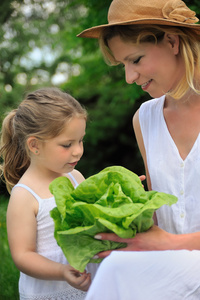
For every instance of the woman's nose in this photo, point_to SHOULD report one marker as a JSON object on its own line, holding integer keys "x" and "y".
{"x": 131, "y": 75}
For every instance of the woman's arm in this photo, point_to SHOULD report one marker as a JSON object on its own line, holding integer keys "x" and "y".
{"x": 140, "y": 142}
{"x": 22, "y": 229}
{"x": 154, "y": 239}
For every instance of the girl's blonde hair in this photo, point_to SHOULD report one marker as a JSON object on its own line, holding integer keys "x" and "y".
{"x": 42, "y": 114}
{"x": 189, "y": 48}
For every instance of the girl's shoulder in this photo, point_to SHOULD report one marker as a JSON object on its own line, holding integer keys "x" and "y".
{"x": 21, "y": 191}
{"x": 75, "y": 177}
{"x": 78, "y": 175}
{"x": 21, "y": 199}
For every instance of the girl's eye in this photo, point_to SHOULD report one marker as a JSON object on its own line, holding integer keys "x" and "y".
{"x": 81, "y": 141}
{"x": 66, "y": 146}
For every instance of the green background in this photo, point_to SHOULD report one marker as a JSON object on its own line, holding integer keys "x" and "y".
{"x": 37, "y": 42}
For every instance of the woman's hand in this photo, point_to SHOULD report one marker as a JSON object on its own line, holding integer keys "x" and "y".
{"x": 142, "y": 177}
{"x": 153, "y": 239}
{"x": 77, "y": 279}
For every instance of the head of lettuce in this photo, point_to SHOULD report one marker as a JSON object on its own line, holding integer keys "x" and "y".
{"x": 113, "y": 200}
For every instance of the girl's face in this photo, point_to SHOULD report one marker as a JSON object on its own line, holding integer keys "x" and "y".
{"x": 156, "y": 68}
{"x": 61, "y": 154}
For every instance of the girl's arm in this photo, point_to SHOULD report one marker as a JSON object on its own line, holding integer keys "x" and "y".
{"x": 22, "y": 228}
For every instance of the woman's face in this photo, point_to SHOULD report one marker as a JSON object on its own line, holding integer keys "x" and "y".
{"x": 156, "y": 68}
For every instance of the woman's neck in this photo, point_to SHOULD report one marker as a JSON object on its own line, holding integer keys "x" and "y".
{"x": 189, "y": 100}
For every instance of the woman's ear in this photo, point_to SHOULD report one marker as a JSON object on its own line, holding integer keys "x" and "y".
{"x": 33, "y": 145}
{"x": 173, "y": 41}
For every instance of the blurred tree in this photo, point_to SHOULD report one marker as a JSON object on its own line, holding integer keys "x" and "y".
{"x": 39, "y": 47}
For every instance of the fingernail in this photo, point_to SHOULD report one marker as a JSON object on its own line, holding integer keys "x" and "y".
{"x": 95, "y": 257}
{"x": 97, "y": 237}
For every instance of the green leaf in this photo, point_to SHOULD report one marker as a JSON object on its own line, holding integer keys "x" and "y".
{"x": 62, "y": 189}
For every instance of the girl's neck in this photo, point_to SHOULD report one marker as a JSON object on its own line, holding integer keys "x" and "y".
{"x": 39, "y": 180}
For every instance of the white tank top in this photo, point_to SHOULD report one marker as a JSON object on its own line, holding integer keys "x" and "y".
{"x": 169, "y": 173}
{"x": 31, "y": 288}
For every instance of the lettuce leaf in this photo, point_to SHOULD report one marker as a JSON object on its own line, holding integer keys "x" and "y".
{"x": 113, "y": 200}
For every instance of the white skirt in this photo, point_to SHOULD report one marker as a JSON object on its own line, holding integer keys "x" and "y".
{"x": 153, "y": 275}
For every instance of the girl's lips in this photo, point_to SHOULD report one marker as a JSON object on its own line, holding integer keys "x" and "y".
{"x": 146, "y": 85}
{"x": 73, "y": 164}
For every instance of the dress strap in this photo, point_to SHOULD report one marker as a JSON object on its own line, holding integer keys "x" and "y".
{"x": 28, "y": 189}
{"x": 74, "y": 180}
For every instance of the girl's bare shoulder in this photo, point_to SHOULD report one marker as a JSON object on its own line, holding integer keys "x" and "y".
{"x": 78, "y": 176}
{"x": 22, "y": 199}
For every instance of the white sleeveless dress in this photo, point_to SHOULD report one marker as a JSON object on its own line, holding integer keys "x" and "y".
{"x": 169, "y": 173}
{"x": 159, "y": 275}
{"x": 31, "y": 288}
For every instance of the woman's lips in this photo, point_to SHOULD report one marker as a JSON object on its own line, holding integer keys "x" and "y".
{"x": 145, "y": 85}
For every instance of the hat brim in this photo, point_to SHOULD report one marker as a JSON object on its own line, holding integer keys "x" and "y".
{"x": 94, "y": 32}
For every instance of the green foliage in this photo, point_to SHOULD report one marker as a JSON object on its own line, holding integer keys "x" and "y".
{"x": 52, "y": 28}
{"x": 38, "y": 41}
{"x": 9, "y": 274}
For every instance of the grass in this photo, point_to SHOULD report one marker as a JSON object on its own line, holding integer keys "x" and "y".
{"x": 9, "y": 275}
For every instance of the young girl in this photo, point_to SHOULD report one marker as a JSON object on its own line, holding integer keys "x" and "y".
{"x": 41, "y": 140}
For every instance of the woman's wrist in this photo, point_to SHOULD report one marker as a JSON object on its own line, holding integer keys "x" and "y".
{"x": 189, "y": 241}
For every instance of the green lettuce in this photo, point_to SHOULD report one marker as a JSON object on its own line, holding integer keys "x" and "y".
{"x": 113, "y": 200}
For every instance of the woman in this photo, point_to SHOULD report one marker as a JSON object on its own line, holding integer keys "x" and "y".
{"x": 158, "y": 43}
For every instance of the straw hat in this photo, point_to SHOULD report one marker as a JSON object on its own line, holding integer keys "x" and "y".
{"x": 158, "y": 12}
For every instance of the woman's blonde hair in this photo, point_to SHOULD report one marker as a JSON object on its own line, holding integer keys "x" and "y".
{"x": 42, "y": 114}
{"x": 189, "y": 48}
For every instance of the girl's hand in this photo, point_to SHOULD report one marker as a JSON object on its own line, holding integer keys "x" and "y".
{"x": 151, "y": 240}
{"x": 77, "y": 279}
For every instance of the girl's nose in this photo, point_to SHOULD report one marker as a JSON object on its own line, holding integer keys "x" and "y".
{"x": 78, "y": 150}
{"x": 131, "y": 75}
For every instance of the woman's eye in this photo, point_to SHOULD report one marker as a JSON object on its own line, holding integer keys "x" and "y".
{"x": 136, "y": 61}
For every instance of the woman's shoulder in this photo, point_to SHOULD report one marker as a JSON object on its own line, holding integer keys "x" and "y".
{"x": 153, "y": 103}
{"x": 151, "y": 110}
{"x": 146, "y": 107}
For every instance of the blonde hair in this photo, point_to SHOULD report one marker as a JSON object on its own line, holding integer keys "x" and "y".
{"x": 42, "y": 114}
{"x": 189, "y": 48}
